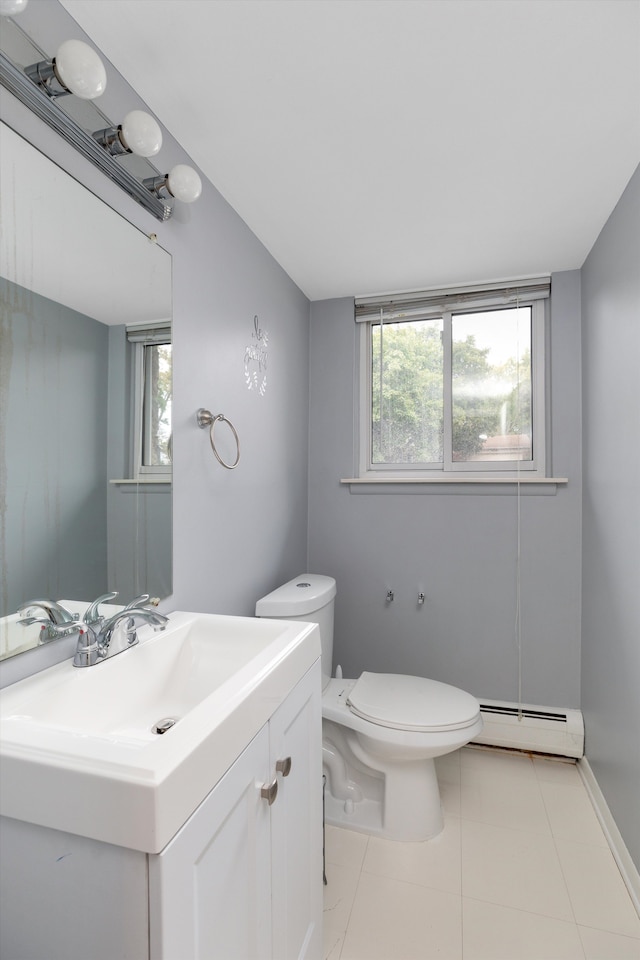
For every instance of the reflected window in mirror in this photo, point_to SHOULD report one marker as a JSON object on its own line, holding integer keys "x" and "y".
{"x": 152, "y": 388}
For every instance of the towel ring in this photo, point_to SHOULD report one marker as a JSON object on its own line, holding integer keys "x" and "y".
{"x": 204, "y": 419}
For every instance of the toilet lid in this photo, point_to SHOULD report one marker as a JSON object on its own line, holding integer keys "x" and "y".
{"x": 412, "y": 703}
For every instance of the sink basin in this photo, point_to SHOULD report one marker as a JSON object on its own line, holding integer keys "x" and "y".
{"x": 78, "y": 746}
{"x": 124, "y": 697}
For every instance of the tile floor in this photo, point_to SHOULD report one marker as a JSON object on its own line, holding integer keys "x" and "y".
{"x": 522, "y": 871}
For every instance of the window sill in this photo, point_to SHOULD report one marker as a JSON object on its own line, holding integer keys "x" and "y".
{"x": 531, "y": 486}
{"x": 161, "y": 484}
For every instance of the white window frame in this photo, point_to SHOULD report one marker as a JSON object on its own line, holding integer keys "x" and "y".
{"x": 142, "y": 336}
{"x": 454, "y": 302}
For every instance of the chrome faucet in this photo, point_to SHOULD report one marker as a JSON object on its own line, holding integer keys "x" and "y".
{"x": 98, "y": 639}
{"x": 92, "y": 615}
{"x": 114, "y": 635}
{"x": 57, "y": 622}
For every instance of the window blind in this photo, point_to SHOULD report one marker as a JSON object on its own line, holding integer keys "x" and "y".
{"x": 432, "y": 303}
{"x": 157, "y": 331}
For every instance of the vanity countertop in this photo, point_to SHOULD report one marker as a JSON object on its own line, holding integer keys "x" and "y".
{"x": 78, "y": 748}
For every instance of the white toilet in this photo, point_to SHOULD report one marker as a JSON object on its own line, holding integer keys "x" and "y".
{"x": 380, "y": 732}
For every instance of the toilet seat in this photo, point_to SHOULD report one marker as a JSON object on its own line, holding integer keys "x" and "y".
{"x": 411, "y": 703}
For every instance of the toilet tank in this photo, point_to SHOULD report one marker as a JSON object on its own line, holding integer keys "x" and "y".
{"x": 310, "y": 598}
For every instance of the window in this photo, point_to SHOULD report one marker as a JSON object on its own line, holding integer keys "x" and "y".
{"x": 452, "y": 383}
{"x": 152, "y": 375}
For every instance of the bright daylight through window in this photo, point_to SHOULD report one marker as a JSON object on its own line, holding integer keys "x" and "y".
{"x": 152, "y": 373}
{"x": 156, "y": 407}
{"x": 452, "y": 383}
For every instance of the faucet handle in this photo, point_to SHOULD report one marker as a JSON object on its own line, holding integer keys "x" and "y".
{"x": 138, "y": 601}
{"x": 28, "y": 621}
{"x": 91, "y": 614}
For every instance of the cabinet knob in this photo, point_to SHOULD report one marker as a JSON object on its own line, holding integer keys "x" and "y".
{"x": 284, "y": 766}
{"x": 269, "y": 791}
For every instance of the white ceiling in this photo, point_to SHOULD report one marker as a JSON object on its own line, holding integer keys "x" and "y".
{"x": 375, "y": 145}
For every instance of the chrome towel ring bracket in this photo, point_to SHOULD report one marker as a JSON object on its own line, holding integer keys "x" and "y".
{"x": 205, "y": 418}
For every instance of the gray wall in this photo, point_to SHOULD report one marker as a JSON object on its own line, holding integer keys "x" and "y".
{"x": 459, "y": 548}
{"x": 53, "y": 428}
{"x": 237, "y": 533}
{"x": 611, "y": 531}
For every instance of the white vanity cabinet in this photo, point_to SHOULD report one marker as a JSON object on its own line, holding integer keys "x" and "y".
{"x": 242, "y": 880}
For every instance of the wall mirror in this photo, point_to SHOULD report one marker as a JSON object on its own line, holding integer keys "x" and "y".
{"x": 83, "y": 293}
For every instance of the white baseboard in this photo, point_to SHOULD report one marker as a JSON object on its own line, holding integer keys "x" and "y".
{"x": 627, "y": 867}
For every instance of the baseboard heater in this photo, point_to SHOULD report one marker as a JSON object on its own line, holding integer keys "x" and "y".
{"x": 531, "y": 728}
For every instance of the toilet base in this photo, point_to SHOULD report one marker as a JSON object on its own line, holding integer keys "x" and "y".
{"x": 412, "y": 808}
{"x": 382, "y": 780}
{"x": 413, "y": 814}
{"x": 390, "y": 798}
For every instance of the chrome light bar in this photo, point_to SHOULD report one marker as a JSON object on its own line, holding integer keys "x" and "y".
{"x": 17, "y": 83}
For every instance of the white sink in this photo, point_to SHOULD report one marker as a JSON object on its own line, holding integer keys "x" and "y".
{"x": 78, "y": 748}
{"x": 123, "y": 698}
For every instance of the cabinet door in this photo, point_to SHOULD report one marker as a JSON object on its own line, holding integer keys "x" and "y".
{"x": 210, "y": 887}
{"x": 296, "y": 823}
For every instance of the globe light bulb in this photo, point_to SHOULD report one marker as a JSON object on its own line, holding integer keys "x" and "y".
{"x": 80, "y": 69}
{"x": 184, "y": 183}
{"x": 141, "y": 134}
{"x": 10, "y": 8}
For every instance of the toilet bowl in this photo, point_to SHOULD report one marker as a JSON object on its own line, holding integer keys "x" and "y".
{"x": 381, "y": 732}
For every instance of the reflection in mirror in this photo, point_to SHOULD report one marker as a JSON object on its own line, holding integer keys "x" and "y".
{"x": 83, "y": 294}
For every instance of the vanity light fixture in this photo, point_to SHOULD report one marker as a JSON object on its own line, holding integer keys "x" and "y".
{"x": 182, "y": 182}
{"x": 46, "y": 108}
{"x": 76, "y": 68}
{"x": 138, "y": 133}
